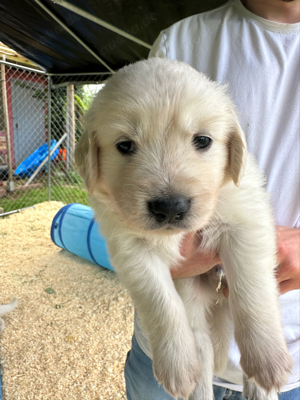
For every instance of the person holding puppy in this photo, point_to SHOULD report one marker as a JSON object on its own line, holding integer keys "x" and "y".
{"x": 254, "y": 46}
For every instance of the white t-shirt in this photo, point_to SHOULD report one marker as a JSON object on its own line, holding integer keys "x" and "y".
{"x": 260, "y": 61}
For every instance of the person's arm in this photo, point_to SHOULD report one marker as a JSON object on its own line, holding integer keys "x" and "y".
{"x": 288, "y": 271}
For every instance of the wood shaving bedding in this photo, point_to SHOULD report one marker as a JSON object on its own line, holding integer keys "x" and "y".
{"x": 69, "y": 335}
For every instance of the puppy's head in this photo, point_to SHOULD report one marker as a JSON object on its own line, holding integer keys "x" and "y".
{"x": 160, "y": 141}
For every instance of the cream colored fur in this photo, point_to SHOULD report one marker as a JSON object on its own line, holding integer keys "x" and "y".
{"x": 161, "y": 105}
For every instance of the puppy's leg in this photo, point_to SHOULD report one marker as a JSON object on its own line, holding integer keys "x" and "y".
{"x": 162, "y": 313}
{"x": 196, "y": 300}
{"x": 253, "y": 392}
{"x": 221, "y": 329}
{"x": 204, "y": 388}
{"x": 248, "y": 257}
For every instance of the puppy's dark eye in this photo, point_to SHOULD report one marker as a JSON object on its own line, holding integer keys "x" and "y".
{"x": 126, "y": 147}
{"x": 201, "y": 142}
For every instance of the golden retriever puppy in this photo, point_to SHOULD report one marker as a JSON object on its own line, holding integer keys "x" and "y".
{"x": 163, "y": 154}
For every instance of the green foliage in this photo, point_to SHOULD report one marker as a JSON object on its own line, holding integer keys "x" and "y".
{"x": 49, "y": 290}
{"x": 59, "y": 192}
{"x": 82, "y": 101}
{"x": 74, "y": 178}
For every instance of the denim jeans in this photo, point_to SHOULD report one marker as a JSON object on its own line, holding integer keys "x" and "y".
{"x": 142, "y": 385}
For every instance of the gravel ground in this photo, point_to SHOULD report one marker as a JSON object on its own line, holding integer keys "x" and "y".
{"x": 69, "y": 335}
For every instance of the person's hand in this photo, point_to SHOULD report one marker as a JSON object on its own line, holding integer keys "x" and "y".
{"x": 195, "y": 262}
{"x": 288, "y": 270}
{"x": 288, "y": 257}
{"x": 287, "y": 274}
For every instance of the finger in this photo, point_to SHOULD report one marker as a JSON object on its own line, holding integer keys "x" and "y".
{"x": 280, "y": 275}
{"x": 226, "y": 292}
{"x": 281, "y": 253}
{"x": 283, "y": 272}
{"x": 188, "y": 244}
{"x": 286, "y": 286}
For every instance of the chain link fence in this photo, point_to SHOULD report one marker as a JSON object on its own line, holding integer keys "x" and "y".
{"x": 40, "y": 123}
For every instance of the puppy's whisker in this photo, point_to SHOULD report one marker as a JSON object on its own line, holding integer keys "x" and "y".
{"x": 108, "y": 207}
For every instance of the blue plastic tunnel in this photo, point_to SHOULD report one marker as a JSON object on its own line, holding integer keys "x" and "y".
{"x": 75, "y": 229}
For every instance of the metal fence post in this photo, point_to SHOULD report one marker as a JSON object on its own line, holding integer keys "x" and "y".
{"x": 70, "y": 122}
{"x": 10, "y": 184}
{"x": 49, "y": 138}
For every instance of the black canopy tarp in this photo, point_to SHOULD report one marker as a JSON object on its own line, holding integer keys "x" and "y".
{"x": 27, "y": 27}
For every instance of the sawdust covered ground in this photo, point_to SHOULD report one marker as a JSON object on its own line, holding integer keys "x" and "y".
{"x": 69, "y": 335}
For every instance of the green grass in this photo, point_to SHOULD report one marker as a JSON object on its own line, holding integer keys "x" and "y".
{"x": 64, "y": 193}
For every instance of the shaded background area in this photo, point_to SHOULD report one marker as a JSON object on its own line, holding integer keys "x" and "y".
{"x": 33, "y": 29}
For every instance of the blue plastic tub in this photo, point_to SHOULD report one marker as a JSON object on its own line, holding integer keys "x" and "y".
{"x": 28, "y": 166}
{"x": 75, "y": 229}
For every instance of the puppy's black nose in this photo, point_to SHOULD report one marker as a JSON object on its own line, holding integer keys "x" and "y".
{"x": 169, "y": 209}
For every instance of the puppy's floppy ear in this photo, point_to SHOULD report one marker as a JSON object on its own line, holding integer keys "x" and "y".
{"x": 87, "y": 159}
{"x": 237, "y": 147}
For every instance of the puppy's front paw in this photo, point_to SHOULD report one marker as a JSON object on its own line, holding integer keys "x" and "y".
{"x": 204, "y": 390}
{"x": 253, "y": 392}
{"x": 178, "y": 369}
{"x": 267, "y": 360}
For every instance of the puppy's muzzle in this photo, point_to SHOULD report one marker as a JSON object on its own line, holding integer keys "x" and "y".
{"x": 170, "y": 209}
